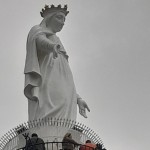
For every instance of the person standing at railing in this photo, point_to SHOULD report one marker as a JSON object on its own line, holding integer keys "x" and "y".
{"x": 68, "y": 143}
{"x": 88, "y": 146}
{"x": 99, "y": 147}
{"x": 35, "y": 143}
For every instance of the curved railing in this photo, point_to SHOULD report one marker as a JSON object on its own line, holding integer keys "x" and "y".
{"x": 49, "y": 122}
{"x": 59, "y": 146}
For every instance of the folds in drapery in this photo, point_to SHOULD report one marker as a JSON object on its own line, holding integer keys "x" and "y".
{"x": 49, "y": 85}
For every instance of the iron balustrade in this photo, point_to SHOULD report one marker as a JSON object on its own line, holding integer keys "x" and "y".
{"x": 10, "y": 135}
{"x": 58, "y": 146}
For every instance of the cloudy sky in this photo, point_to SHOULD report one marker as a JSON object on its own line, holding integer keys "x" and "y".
{"x": 108, "y": 42}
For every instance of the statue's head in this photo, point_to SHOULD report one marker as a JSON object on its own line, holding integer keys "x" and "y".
{"x": 54, "y": 17}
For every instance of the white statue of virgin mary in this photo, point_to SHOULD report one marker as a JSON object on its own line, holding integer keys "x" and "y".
{"x": 49, "y": 84}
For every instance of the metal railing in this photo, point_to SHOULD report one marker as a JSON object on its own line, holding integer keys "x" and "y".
{"x": 59, "y": 146}
{"x": 49, "y": 122}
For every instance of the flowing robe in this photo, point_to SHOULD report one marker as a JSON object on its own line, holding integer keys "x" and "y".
{"x": 49, "y": 84}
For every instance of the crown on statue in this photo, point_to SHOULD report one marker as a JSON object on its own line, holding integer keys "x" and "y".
{"x": 46, "y": 10}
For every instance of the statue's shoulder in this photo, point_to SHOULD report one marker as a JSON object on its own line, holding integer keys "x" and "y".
{"x": 37, "y": 29}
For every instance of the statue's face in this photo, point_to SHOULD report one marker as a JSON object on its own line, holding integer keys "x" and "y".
{"x": 57, "y": 22}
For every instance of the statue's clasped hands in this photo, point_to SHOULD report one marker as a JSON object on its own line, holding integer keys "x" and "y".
{"x": 82, "y": 107}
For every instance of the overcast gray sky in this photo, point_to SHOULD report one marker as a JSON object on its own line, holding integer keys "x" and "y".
{"x": 108, "y": 42}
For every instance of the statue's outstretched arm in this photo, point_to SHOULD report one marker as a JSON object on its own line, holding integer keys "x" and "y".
{"x": 47, "y": 46}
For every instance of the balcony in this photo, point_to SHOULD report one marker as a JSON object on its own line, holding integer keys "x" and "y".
{"x": 51, "y": 130}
